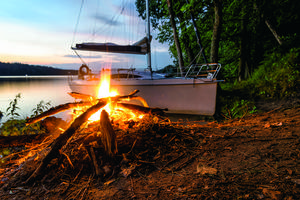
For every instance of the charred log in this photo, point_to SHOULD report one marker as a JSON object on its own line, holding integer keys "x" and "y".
{"x": 57, "y": 109}
{"x": 84, "y": 97}
{"x": 108, "y": 136}
{"x": 144, "y": 110}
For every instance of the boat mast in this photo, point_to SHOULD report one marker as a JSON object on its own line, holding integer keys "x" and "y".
{"x": 148, "y": 38}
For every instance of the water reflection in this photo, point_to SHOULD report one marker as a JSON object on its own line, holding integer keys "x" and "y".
{"x": 33, "y": 89}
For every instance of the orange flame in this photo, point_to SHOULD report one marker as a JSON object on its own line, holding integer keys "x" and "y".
{"x": 104, "y": 91}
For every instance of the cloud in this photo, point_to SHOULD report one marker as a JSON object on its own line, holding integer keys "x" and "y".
{"x": 105, "y": 20}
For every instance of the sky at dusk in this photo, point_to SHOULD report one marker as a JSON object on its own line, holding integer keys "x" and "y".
{"x": 42, "y": 32}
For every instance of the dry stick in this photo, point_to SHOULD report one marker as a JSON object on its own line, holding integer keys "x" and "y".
{"x": 63, "y": 138}
{"x": 57, "y": 109}
{"x": 97, "y": 169}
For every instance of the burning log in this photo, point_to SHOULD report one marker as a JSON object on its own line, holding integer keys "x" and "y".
{"x": 57, "y": 109}
{"x": 63, "y": 138}
{"x": 128, "y": 97}
{"x": 84, "y": 97}
{"x": 142, "y": 109}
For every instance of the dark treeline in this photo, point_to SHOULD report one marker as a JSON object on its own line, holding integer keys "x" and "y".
{"x": 239, "y": 34}
{"x": 18, "y": 69}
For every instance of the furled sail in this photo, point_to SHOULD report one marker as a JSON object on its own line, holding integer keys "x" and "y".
{"x": 139, "y": 47}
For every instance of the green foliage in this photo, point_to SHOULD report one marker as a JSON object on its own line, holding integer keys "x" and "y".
{"x": 238, "y": 108}
{"x": 11, "y": 111}
{"x": 40, "y": 108}
{"x": 15, "y": 126}
{"x": 277, "y": 77}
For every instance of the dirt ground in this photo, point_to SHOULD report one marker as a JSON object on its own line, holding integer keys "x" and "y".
{"x": 256, "y": 157}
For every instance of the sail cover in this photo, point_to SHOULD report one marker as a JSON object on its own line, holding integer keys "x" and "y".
{"x": 139, "y": 47}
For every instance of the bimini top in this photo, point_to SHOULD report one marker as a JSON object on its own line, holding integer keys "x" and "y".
{"x": 139, "y": 47}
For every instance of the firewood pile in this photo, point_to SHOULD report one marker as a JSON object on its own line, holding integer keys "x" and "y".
{"x": 111, "y": 147}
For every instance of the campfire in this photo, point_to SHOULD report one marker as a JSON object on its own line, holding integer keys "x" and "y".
{"x": 92, "y": 126}
{"x": 109, "y": 139}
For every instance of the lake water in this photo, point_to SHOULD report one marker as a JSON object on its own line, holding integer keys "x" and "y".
{"x": 33, "y": 89}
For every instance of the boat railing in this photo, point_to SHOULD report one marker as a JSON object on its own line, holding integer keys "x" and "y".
{"x": 125, "y": 73}
{"x": 206, "y": 71}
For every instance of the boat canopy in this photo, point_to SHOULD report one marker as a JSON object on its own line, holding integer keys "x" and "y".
{"x": 140, "y": 47}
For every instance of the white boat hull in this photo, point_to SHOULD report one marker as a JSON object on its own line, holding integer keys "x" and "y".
{"x": 183, "y": 96}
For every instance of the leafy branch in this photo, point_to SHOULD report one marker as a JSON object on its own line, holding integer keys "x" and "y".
{"x": 12, "y": 108}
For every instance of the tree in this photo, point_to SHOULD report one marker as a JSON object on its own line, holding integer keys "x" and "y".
{"x": 175, "y": 35}
{"x": 237, "y": 33}
{"x": 214, "y": 51}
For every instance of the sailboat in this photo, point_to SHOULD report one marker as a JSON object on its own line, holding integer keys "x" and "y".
{"x": 195, "y": 93}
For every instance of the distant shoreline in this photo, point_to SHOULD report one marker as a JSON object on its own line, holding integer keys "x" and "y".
{"x": 19, "y": 69}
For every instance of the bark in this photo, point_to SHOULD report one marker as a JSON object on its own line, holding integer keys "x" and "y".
{"x": 175, "y": 35}
{"x": 55, "y": 110}
{"x": 142, "y": 109}
{"x": 214, "y": 52}
{"x": 108, "y": 135}
{"x": 84, "y": 97}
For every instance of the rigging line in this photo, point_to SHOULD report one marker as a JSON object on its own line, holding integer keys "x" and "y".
{"x": 196, "y": 57}
{"x": 113, "y": 19}
{"x": 94, "y": 29}
{"x": 77, "y": 23}
{"x": 80, "y": 57}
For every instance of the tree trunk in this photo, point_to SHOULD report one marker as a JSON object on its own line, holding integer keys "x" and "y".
{"x": 175, "y": 35}
{"x": 242, "y": 63}
{"x": 214, "y": 52}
